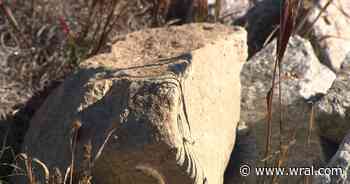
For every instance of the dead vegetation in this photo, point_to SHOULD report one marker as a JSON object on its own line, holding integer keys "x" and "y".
{"x": 293, "y": 16}
{"x": 24, "y": 166}
{"x": 43, "y": 41}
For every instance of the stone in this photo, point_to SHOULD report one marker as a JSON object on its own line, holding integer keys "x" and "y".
{"x": 304, "y": 79}
{"x": 333, "y": 111}
{"x": 230, "y": 9}
{"x": 340, "y": 165}
{"x": 165, "y": 102}
{"x": 346, "y": 64}
{"x": 331, "y": 32}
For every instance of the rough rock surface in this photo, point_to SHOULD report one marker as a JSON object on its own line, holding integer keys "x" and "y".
{"x": 303, "y": 75}
{"x": 238, "y": 8}
{"x": 169, "y": 98}
{"x": 331, "y": 32}
{"x": 230, "y": 9}
{"x": 333, "y": 111}
{"x": 346, "y": 64}
{"x": 341, "y": 160}
{"x": 304, "y": 78}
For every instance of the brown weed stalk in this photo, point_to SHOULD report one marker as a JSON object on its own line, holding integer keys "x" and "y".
{"x": 75, "y": 129}
{"x": 286, "y": 27}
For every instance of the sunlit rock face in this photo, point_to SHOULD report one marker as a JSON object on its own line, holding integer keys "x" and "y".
{"x": 331, "y": 31}
{"x": 164, "y": 101}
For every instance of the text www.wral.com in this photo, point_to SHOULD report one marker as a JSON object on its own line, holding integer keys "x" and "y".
{"x": 246, "y": 170}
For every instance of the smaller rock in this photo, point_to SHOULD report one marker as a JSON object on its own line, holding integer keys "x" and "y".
{"x": 234, "y": 9}
{"x": 331, "y": 32}
{"x": 340, "y": 161}
{"x": 242, "y": 129}
{"x": 333, "y": 111}
{"x": 346, "y": 64}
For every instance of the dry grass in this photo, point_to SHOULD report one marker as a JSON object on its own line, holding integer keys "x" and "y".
{"x": 54, "y": 175}
{"x": 44, "y": 41}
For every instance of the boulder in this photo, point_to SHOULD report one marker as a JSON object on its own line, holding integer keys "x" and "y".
{"x": 304, "y": 79}
{"x": 340, "y": 165}
{"x": 163, "y": 105}
{"x": 331, "y": 32}
{"x": 333, "y": 111}
{"x": 303, "y": 76}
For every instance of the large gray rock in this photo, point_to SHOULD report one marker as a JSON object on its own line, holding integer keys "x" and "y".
{"x": 333, "y": 111}
{"x": 174, "y": 118}
{"x": 340, "y": 165}
{"x": 304, "y": 80}
{"x": 304, "y": 77}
